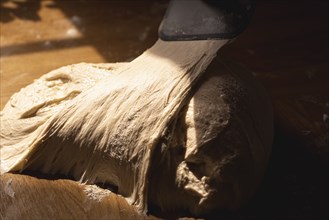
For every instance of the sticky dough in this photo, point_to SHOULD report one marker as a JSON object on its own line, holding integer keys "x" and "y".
{"x": 155, "y": 128}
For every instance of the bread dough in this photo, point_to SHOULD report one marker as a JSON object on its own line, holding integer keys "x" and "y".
{"x": 146, "y": 128}
{"x": 27, "y": 197}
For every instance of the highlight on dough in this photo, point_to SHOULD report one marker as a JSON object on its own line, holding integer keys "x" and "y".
{"x": 174, "y": 129}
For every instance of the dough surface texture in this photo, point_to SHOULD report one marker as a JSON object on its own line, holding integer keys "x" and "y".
{"x": 155, "y": 128}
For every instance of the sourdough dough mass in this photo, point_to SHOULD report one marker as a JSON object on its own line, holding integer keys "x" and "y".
{"x": 153, "y": 128}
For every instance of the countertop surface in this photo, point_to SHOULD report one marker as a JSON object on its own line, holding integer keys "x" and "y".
{"x": 285, "y": 46}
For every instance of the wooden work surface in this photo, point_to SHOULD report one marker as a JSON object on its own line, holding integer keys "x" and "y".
{"x": 286, "y": 46}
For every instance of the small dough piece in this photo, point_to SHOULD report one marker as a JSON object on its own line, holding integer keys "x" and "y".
{"x": 153, "y": 128}
{"x": 26, "y": 197}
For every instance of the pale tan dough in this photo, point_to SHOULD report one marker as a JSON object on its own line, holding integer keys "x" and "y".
{"x": 147, "y": 127}
{"x": 29, "y": 198}
{"x": 222, "y": 145}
